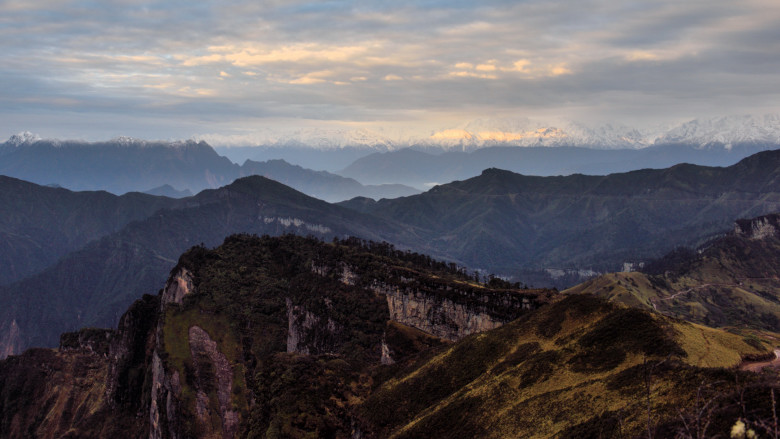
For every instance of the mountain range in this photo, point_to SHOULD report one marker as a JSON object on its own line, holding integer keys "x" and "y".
{"x": 503, "y": 222}
{"x": 422, "y": 169}
{"x": 39, "y": 224}
{"x": 293, "y": 337}
{"x": 91, "y": 286}
{"x": 256, "y": 310}
{"x": 517, "y": 131}
{"x": 519, "y": 227}
{"x": 388, "y": 167}
{"x": 162, "y": 168}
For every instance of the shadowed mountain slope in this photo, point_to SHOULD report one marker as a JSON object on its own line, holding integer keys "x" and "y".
{"x": 91, "y": 287}
{"x": 39, "y": 225}
{"x": 505, "y": 222}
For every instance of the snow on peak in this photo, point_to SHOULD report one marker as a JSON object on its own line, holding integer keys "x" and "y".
{"x": 726, "y": 131}
{"x": 128, "y": 141}
{"x": 23, "y": 138}
{"x": 526, "y": 132}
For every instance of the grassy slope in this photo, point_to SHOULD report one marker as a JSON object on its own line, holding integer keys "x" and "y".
{"x": 735, "y": 281}
{"x": 568, "y": 364}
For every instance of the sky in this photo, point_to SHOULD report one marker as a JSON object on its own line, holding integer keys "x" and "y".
{"x": 175, "y": 69}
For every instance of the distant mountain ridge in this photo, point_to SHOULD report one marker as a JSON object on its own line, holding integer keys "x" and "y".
{"x": 520, "y": 131}
{"x": 502, "y": 221}
{"x": 176, "y": 169}
{"x": 321, "y": 184}
{"x": 422, "y": 169}
{"x": 39, "y": 224}
{"x": 118, "y": 166}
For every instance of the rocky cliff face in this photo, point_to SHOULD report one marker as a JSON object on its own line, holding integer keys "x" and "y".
{"x": 179, "y": 285}
{"x": 212, "y": 372}
{"x": 308, "y": 333}
{"x": 452, "y": 318}
{"x": 758, "y": 228}
{"x": 164, "y": 408}
{"x": 11, "y": 340}
{"x": 435, "y": 307}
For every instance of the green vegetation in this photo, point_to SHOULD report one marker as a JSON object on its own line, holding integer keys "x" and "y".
{"x": 302, "y": 332}
{"x": 248, "y": 294}
{"x": 505, "y": 222}
{"x": 584, "y": 379}
{"x": 734, "y": 281}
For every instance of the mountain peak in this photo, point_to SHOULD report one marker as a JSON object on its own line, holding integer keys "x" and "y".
{"x": 23, "y": 138}
{"x": 726, "y": 131}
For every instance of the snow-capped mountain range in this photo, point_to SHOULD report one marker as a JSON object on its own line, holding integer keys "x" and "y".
{"x": 716, "y": 132}
{"x": 480, "y": 133}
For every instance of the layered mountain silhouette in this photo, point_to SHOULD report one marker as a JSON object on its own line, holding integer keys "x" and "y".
{"x": 39, "y": 224}
{"x": 93, "y": 285}
{"x": 499, "y": 222}
{"x": 502, "y": 221}
{"x": 423, "y": 168}
{"x": 162, "y": 168}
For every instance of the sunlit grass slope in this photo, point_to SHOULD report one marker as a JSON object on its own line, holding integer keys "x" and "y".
{"x": 575, "y": 368}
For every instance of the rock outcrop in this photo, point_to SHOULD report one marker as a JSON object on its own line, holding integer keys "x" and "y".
{"x": 212, "y": 371}
{"x": 164, "y": 409}
{"x": 453, "y": 314}
{"x": 11, "y": 340}
{"x": 179, "y": 285}
{"x": 308, "y": 333}
{"x": 433, "y": 305}
{"x": 758, "y": 228}
{"x": 270, "y": 343}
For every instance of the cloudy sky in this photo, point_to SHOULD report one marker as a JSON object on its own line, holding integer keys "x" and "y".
{"x": 175, "y": 69}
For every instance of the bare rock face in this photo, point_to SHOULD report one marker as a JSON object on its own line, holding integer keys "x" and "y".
{"x": 454, "y": 315}
{"x": 11, "y": 340}
{"x": 178, "y": 286}
{"x": 441, "y": 310}
{"x": 758, "y": 228}
{"x": 387, "y": 354}
{"x": 308, "y": 333}
{"x": 164, "y": 410}
{"x": 130, "y": 357}
{"x": 212, "y": 369}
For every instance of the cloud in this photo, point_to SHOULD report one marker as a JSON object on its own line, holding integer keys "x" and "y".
{"x": 238, "y": 62}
